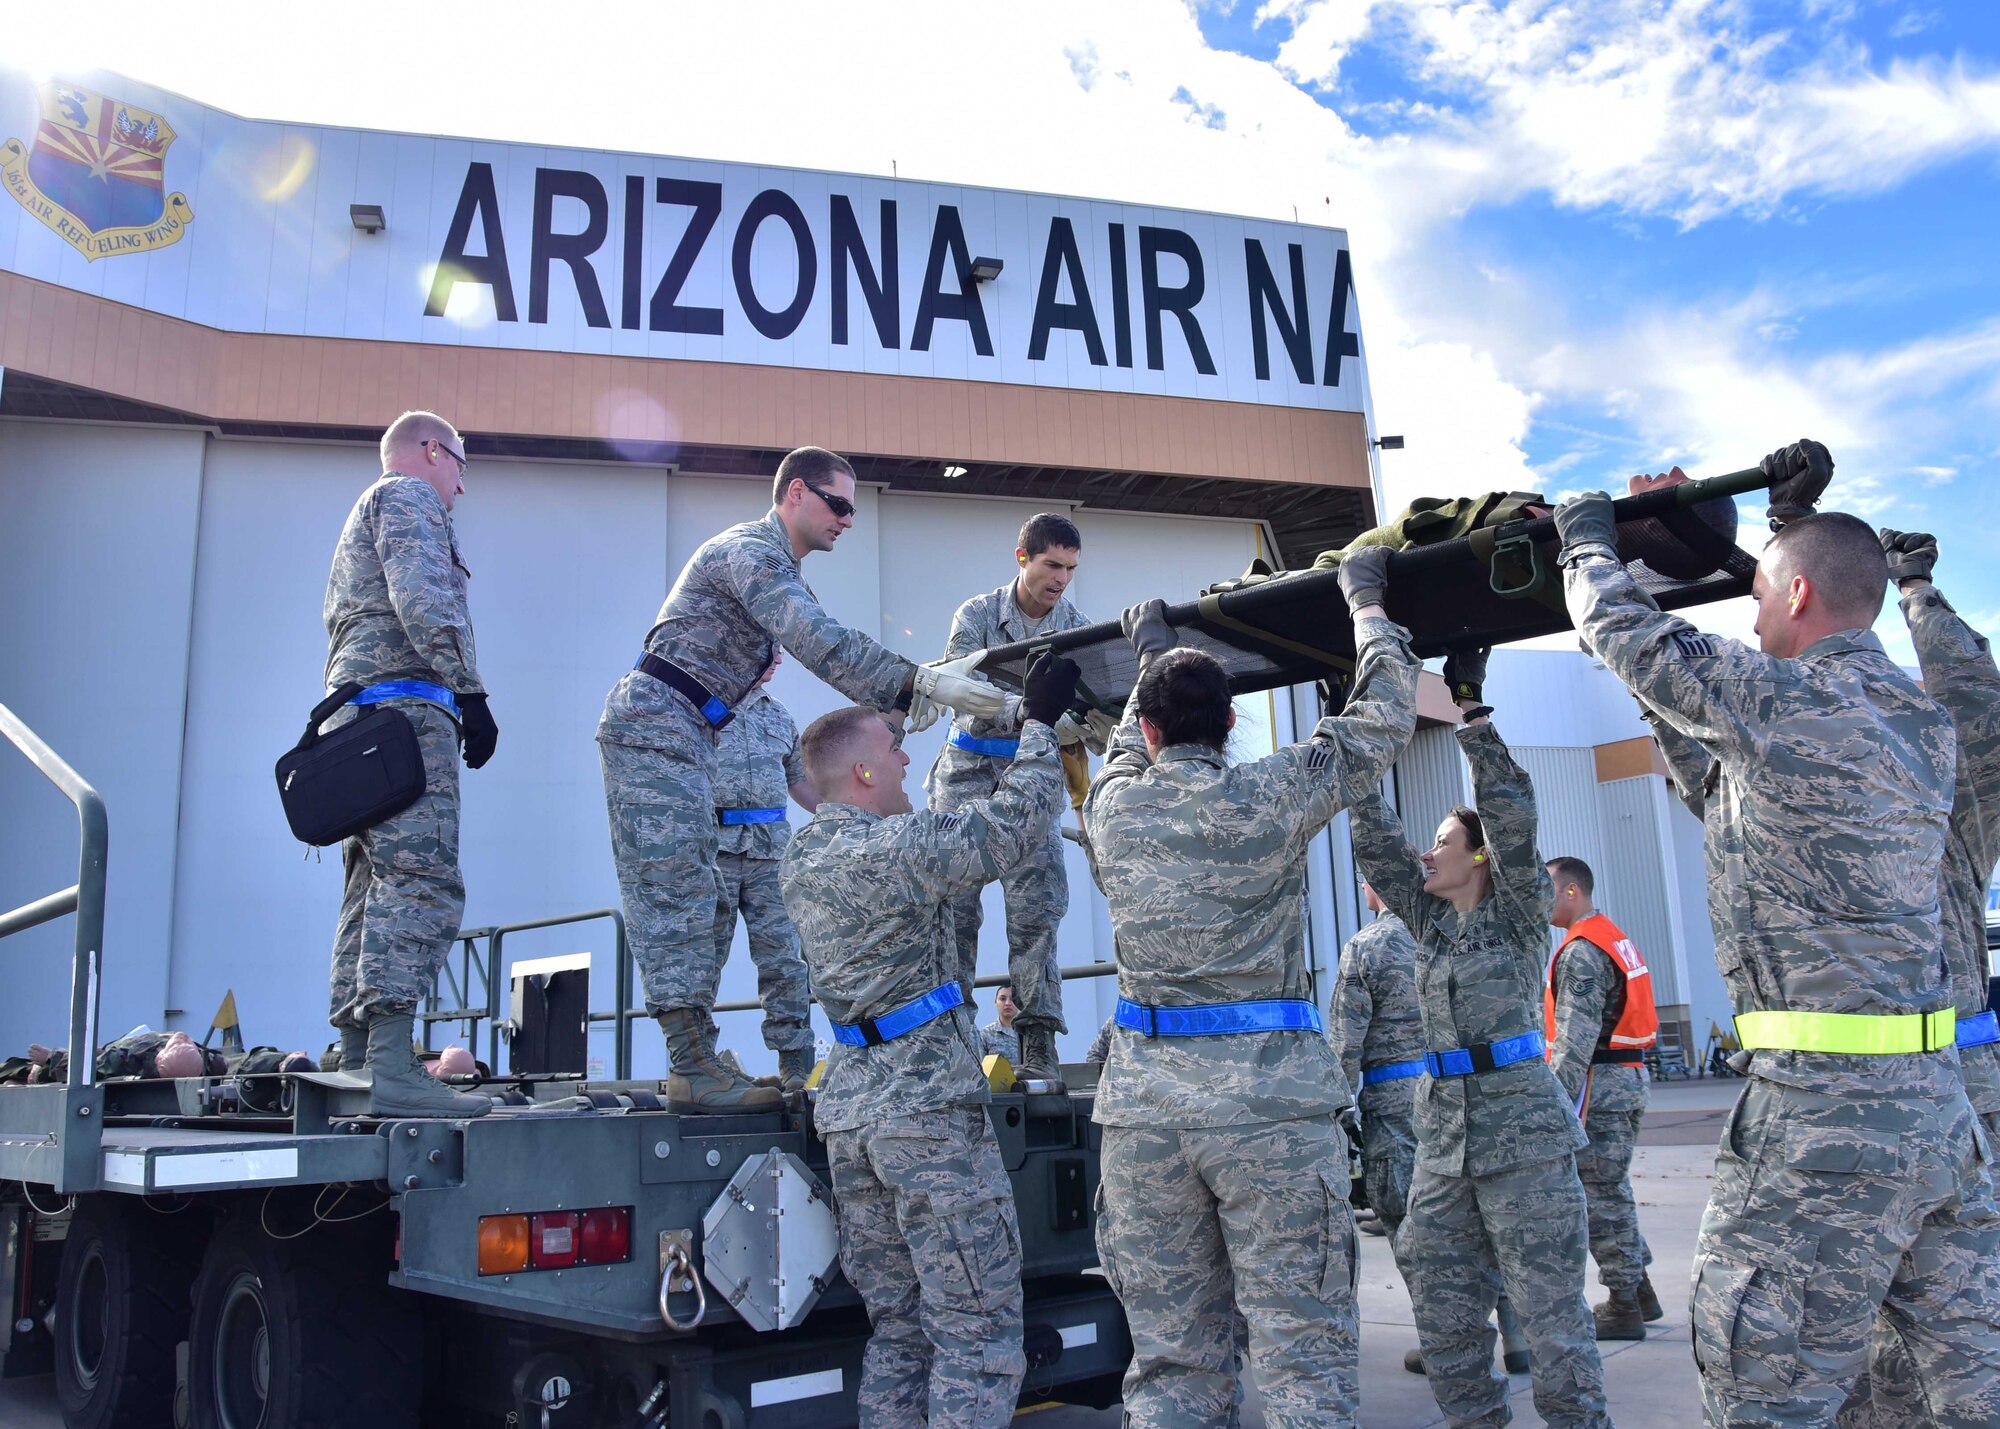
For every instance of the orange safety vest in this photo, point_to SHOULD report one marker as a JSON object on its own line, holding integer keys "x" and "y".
{"x": 1638, "y": 1024}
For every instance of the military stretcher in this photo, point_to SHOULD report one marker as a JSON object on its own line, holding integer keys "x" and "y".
{"x": 1493, "y": 587}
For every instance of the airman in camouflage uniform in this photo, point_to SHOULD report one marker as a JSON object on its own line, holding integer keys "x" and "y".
{"x": 1376, "y": 1026}
{"x": 757, "y": 768}
{"x": 1845, "y": 1181}
{"x": 1610, "y": 1097}
{"x": 738, "y": 600}
{"x": 1037, "y": 889}
{"x": 928, "y": 1234}
{"x": 1959, "y": 673}
{"x": 1225, "y": 1168}
{"x": 1495, "y": 1203}
{"x": 396, "y": 611}
{"x": 1000, "y": 1036}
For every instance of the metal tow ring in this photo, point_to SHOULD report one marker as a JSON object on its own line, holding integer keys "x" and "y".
{"x": 678, "y": 1262}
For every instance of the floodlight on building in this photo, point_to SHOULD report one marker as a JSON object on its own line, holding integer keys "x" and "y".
{"x": 367, "y": 217}
{"x": 985, "y": 270}
{"x": 1389, "y": 444}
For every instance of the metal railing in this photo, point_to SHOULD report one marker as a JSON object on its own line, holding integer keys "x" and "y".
{"x": 490, "y": 966}
{"x": 75, "y": 1137}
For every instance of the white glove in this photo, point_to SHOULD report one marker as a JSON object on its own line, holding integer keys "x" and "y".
{"x": 1103, "y": 726}
{"x": 923, "y": 713}
{"x": 951, "y": 682}
{"x": 1068, "y": 731}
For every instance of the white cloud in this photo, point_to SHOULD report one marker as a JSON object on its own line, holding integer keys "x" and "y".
{"x": 1678, "y": 108}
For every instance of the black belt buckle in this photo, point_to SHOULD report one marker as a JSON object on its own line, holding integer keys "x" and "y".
{"x": 1481, "y": 1054}
{"x": 871, "y": 1036}
{"x": 1150, "y": 1016}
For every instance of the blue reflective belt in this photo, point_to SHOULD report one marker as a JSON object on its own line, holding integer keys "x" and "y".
{"x": 732, "y": 817}
{"x": 1392, "y": 1071}
{"x": 874, "y": 1031}
{"x": 1216, "y": 1019}
{"x": 1978, "y": 1031}
{"x": 991, "y": 748}
{"x": 1485, "y": 1057}
{"x": 407, "y": 690}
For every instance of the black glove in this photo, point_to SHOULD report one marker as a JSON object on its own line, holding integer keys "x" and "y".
{"x": 1364, "y": 576}
{"x": 1465, "y": 672}
{"x": 1798, "y": 473}
{"x": 1049, "y": 688}
{"x": 1145, "y": 625}
{"x": 1588, "y": 517}
{"x": 1912, "y": 554}
{"x": 1350, "y": 1122}
{"x": 478, "y": 734}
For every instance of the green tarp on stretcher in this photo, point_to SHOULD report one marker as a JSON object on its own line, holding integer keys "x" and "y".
{"x": 1498, "y": 585}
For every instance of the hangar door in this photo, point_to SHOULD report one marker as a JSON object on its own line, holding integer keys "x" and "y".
{"x": 937, "y": 551}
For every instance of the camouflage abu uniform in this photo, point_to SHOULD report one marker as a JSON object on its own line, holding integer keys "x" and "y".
{"x": 1224, "y": 1170}
{"x": 1376, "y": 1022}
{"x": 928, "y": 1235}
{"x": 1003, "y": 1040}
{"x": 756, "y": 763}
{"x": 738, "y": 598}
{"x": 1959, "y": 673}
{"x": 396, "y": 610}
{"x": 1611, "y": 1097}
{"x": 1036, "y": 890}
{"x": 1495, "y": 1203}
{"x": 1842, "y": 1182}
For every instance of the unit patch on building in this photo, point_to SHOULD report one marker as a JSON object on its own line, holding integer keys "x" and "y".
{"x": 96, "y": 175}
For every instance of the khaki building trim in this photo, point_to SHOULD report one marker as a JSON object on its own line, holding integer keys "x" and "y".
{"x": 1628, "y": 759}
{"x": 124, "y": 352}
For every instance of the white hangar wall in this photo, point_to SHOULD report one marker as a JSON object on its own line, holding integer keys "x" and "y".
{"x": 164, "y": 589}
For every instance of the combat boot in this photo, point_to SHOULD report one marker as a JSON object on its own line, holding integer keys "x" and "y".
{"x": 699, "y": 1080}
{"x": 1620, "y": 1317}
{"x": 1413, "y": 1361}
{"x": 1513, "y": 1344}
{"x": 1038, "y": 1056}
{"x": 1649, "y": 1303}
{"x": 353, "y": 1049}
{"x": 795, "y": 1064}
{"x": 398, "y": 1085}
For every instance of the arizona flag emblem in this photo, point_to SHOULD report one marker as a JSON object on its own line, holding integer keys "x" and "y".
{"x": 96, "y": 176}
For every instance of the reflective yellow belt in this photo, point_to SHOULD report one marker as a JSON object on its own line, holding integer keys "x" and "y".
{"x": 1847, "y": 1032}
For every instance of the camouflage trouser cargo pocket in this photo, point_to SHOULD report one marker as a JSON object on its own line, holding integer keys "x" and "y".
{"x": 979, "y": 1249}
{"x": 1340, "y": 1266}
{"x": 1749, "y": 1302}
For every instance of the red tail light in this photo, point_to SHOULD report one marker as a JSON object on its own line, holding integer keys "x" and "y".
{"x": 605, "y": 1236}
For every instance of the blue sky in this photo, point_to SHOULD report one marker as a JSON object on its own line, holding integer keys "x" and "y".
{"x": 1589, "y": 239}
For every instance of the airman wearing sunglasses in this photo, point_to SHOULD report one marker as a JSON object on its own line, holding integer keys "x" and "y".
{"x": 739, "y": 599}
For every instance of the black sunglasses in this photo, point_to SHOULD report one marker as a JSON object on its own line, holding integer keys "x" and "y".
{"x": 838, "y": 505}
{"x": 440, "y": 446}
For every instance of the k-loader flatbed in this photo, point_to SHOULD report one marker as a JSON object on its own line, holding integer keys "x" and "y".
{"x": 255, "y": 1252}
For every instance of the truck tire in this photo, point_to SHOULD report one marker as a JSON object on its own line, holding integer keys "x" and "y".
{"x": 302, "y": 1334}
{"x": 121, "y": 1310}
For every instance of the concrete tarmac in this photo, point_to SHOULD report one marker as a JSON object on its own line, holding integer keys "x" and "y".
{"x": 1651, "y": 1383}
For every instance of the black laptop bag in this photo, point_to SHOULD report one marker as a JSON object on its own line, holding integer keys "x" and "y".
{"x": 335, "y": 785}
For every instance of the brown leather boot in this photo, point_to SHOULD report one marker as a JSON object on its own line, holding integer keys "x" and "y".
{"x": 699, "y": 1080}
{"x": 1649, "y": 1303}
